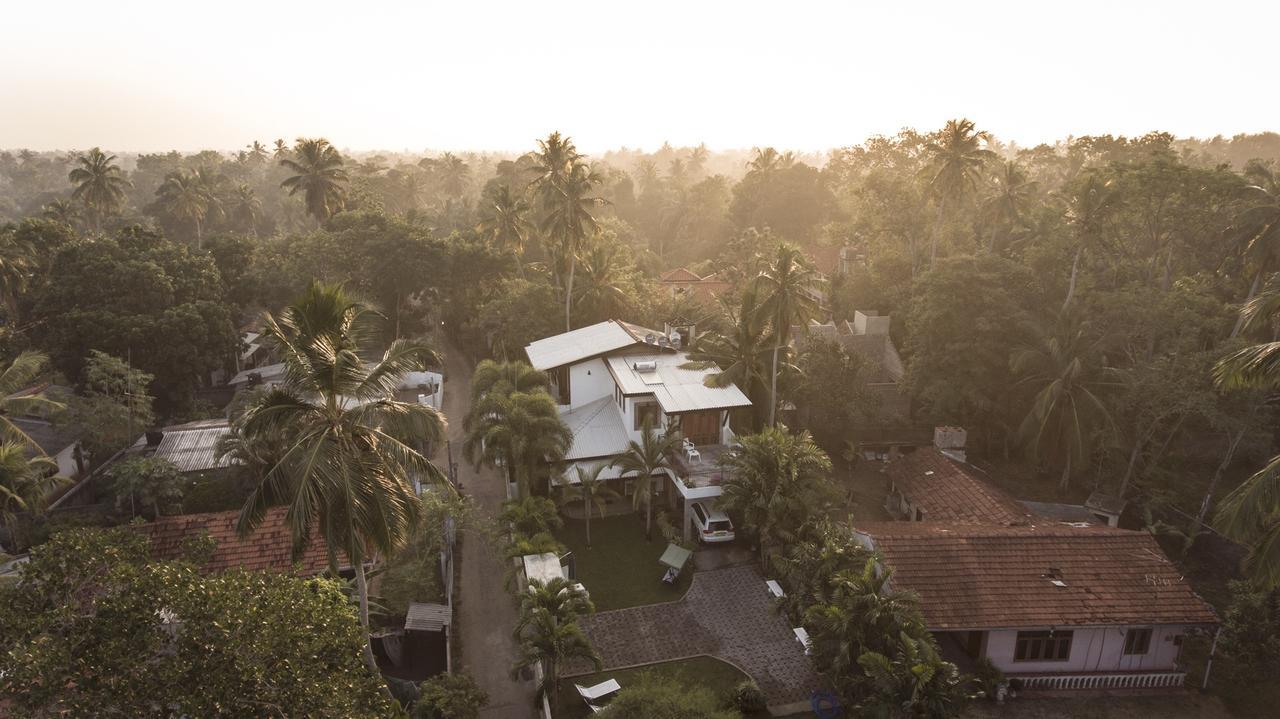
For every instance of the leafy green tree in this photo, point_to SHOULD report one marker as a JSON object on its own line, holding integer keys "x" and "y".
{"x": 113, "y": 406}
{"x": 100, "y": 185}
{"x": 1007, "y": 204}
{"x": 650, "y": 696}
{"x": 740, "y": 353}
{"x": 788, "y": 294}
{"x": 25, "y": 482}
{"x": 530, "y": 515}
{"x": 352, "y": 450}
{"x": 790, "y": 198}
{"x": 550, "y": 643}
{"x": 504, "y": 221}
{"x": 450, "y": 696}
{"x": 558, "y": 598}
{"x": 913, "y": 682}
{"x": 833, "y": 392}
{"x": 517, "y": 312}
{"x": 148, "y": 481}
{"x": 19, "y": 375}
{"x": 1090, "y": 202}
{"x": 319, "y": 176}
{"x": 591, "y": 491}
{"x": 775, "y": 482}
{"x": 1064, "y": 372}
{"x": 95, "y": 628}
{"x": 956, "y": 159}
{"x": 651, "y": 455}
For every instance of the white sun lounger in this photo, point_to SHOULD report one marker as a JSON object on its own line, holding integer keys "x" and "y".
{"x": 599, "y": 691}
{"x": 775, "y": 589}
{"x": 802, "y": 636}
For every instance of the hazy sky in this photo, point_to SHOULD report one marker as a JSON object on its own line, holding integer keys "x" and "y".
{"x": 495, "y": 75}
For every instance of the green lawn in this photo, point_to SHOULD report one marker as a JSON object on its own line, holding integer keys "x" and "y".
{"x": 621, "y": 569}
{"x": 713, "y": 674}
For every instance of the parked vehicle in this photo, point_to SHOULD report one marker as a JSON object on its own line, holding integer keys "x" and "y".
{"x": 713, "y": 525}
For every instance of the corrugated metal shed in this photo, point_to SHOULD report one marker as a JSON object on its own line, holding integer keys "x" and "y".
{"x": 427, "y": 617}
{"x": 598, "y": 429}
{"x": 677, "y": 389}
{"x": 542, "y": 567}
{"x": 584, "y": 342}
{"x": 193, "y": 450}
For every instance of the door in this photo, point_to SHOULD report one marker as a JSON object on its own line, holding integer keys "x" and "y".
{"x": 701, "y": 427}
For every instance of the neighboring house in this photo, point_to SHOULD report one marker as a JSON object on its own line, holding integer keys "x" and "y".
{"x": 1050, "y": 594}
{"x": 611, "y": 378}
{"x": 1055, "y": 606}
{"x": 868, "y": 337}
{"x": 269, "y": 547}
{"x": 424, "y": 387}
{"x": 59, "y": 443}
{"x": 191, "y": 447}
{"x": 681, "y": 282}
{"x": 252, "y": 355}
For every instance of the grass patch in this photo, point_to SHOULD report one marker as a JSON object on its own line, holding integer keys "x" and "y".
{"x": 621, "y": 569}
{"x": 720, "y": 677}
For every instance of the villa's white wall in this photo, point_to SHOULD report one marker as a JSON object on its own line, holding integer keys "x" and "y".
{"x": 1092, "y": 650}
{"x": 66, "y": 460}
{"x": 588, "y": 382}
{"x": 629, "y": 416}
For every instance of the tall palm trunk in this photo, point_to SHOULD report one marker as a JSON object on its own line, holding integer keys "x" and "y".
{"x": 1075, "y": 272}
{"x": 1066, "y": 474}
{"x": 1213, "y": 483}
{"x": 937, "y": 231}
{"x": 648, "y": 514}
{"x": 362, "y": 589}
{"x": 773, "y": 389}
{"x": 1253, "y": 291}
{"x": 568, "y": 289}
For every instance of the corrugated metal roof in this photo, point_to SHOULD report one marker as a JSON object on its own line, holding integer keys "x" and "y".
{"x": 193, "y": 450}
{"x": 543, "y": 567}
{"x": 427, "y": 617}
{"x": 677, "y": 388}
{"x": 598, "y": 429}
{"x": 570, "y": 347}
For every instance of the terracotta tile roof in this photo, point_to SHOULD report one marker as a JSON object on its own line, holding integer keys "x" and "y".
{"x": 269, "y": 547}
{"x": 951, "y": 491}
{"x": 972, "y": 576}
{"x": 679, "y": 274}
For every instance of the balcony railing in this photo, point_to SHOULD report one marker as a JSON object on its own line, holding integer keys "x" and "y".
{"x": 1125, "y": 680}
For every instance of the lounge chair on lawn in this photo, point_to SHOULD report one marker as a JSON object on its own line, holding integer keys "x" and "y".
{"x": 674, "y": 559}
{"x": 591, "y": 695}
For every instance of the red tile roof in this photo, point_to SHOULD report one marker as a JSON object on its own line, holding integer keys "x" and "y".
{"x": 951, "y": 491}
{"x": 679, "y": 274}
{"x": 973, "y": 576}
{"x": 269, "y": 547}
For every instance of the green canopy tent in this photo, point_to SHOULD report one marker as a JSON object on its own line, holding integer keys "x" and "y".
{"x": 674, "y": 559}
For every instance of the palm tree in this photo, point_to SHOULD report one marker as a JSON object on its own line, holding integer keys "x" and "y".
{"x": 591, "y": 491}
{"x": 258, "y": 153}
{"x": 739, "y": 355}
{"x": 1012, "y": 191}
{"x": 25, "y": 481}
{"x": 1256, "y": 226}
{"x": 1062, "y": 370}
{"x": 520, "y": 431}
{"x": 99, "y": 184}
{"x": 768, "y": 159}
{"x": 17, "y": 266}
{"x": 245, "y": 208}
{"x": 647, "y": 175}
{"x": 559, "y": 598}
{"x": 1250, "y": 514}
{"x": 504, "y": 221}
{"x": 281, "y": 150}
{"x": 955, "y": 165}
{"x": 911, "y": 681}
{"x": 775, "y": 481}
{"x": 320, "y": 177}
{"x": 61, "y": 210}
{"x": 547, "y": 642}
{"x": 652, "y": 454}
{"x": 1089, "y": 204}
{"x": 454, "y": 174}
{"x": 563, "y": 186}
{"x": 351, "y": 450}
{"x": 530, "y": 516}
{"x": 788, "y": 288}
{"x": 19, "y": 375}
{"x": 185, "y": 197}
{"x": 602, "y": 293}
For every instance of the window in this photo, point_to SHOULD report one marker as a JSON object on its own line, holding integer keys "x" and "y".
{"x": 1137, "y": 641}
{"x": 1043, "y": 647}
{"x": 648, "y": 412}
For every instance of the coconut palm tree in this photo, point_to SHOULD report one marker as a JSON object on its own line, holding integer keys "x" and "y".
{"x": 1063, "y": 372}
{"x": 788, "y": 290}
{"x": 245, "y": 208}
{"x": 99, "y": 184}
{"x": 1011, "y": 192}
{"x": 602, "y": 293}
{"x": 1089, "y": 203}
{"x": 19, "y": 375}
{"x": 504, "y": 221}
{"x": 25, "y": 481}
{"x": 1256, "y": 226}
{"x": 547, "y": 642}
{"x": 564, "y": 186}
{"x": 1250, "y": 514}
{"x": 320, "y": 177}
{"x": 955, "y": 161}
{"x": 775, "y": 482}
{"x": 594, "y": 493}
{"x": 61, "y": 210}
{"x": 351, "y": 450}
{"x": 186, "y": 197}
{"x": 280, "y": 150}
{"x": 741, "y": 354}
{"x": 768, "y": 159}
{"x": 559, "y": 598}
{"x": 911, "y": 680}
{"x": 650, "y": 456}
{"x": 17, "y": 266}
{"x": 454, "y": 175}
{"x": 258, "y": 153}
{"x": 520, "y": 431}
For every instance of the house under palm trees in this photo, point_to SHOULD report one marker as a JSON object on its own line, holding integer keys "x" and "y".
{"x": 613, "y": 378}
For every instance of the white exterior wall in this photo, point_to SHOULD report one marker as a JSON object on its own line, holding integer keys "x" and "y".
{"x": 66, "y": 460}
{"x": 589, "y": 381}
{"x": 1099, "y": 649}
{"x": 629, "y": 415}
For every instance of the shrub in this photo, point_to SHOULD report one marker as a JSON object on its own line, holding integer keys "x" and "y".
{"x": 987, "y": 678}
{"x": 748, "y": 698}
{"x": 450, "y": 696}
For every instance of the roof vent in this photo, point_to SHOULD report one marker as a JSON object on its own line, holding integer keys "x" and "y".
{"x": 647, "y": 366}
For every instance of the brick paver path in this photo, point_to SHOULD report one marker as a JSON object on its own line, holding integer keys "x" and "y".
{"x": 728, "y": 614}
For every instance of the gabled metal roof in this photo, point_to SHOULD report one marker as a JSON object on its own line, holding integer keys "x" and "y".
{"x": 676, "y": 387}
{"x": 586, "y": 342}
{"x": 598, "y": 429}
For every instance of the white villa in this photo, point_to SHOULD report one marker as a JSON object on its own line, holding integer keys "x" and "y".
{"x": 611, "y": 378}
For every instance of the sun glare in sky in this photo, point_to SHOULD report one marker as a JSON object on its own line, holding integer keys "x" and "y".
{"x": 146, "y": 76}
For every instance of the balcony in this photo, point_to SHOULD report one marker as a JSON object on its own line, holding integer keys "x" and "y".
{"x": 705, "y": 471}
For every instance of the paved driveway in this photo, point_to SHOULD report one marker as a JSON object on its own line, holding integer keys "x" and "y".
{"x": 727, "y": 614}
